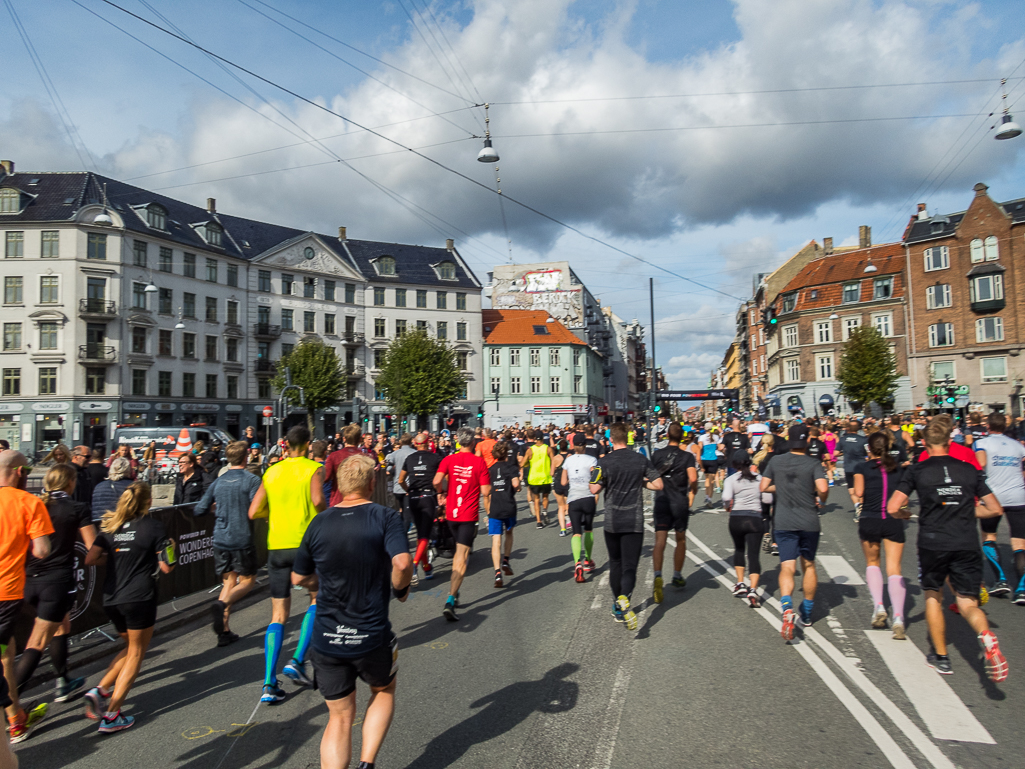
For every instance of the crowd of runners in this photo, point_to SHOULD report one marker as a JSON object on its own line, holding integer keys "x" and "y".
{"x": 352, "y": 555}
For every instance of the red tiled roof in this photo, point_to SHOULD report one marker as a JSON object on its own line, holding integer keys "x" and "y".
{"x": 827, "y": 275}
{"x": 517, "y": 327}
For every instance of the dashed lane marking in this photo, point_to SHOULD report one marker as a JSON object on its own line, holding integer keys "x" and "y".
{"x": 603, "y": 582}
{"x": 841, "y": 572}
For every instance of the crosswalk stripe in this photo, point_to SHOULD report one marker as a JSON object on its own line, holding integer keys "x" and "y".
{"x": 841, "y": 572}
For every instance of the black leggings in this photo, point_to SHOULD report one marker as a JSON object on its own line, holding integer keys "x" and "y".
{"x": 769, "y": 518}
{"x": 747, "y": 531}
{"x": 423, "y": 511}
{"x": 624, "y": 553}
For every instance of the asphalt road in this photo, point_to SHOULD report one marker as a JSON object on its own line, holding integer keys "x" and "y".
{"x": 538, "y": 675}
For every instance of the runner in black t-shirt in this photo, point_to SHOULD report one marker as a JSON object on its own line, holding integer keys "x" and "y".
{"x": 852, "y": 445}
{"x": 417, "y": 477}
{"x": 501, "y": 505}
{"x": 672, "y": 505}
{"x": 354, "y": 555}
{"x": 592, "y": 446}
{"x": 732, "y": 442}
{"x": 948, "y": 542}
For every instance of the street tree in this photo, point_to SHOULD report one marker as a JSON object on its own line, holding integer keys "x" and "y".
{"x": 419, "y": 375}
{"x": 868, "y": 369}
{"x": 316, "y": 368}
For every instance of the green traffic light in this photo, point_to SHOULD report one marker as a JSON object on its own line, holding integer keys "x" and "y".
{"x": 658, "y": 409}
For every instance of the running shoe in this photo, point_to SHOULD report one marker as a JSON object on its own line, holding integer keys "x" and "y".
{"x": 450, "y": 609}
{"x": 1000, "y": 588}
{"x": 498, "y": 578}
{"x": 628, "y": 614}
{"x": 589, "y": 565}
{"x": 506, "y": 568}
{"x": 578, "y": 572}
{"x": 879, "y": 618}
{"x": 24, "y": 723}
{"x": 787, "y": 629}
{"x": 740, "y": 590}
{"x": 428, "y": 571}
{"x": 766, "y": 543}
{"x": 217, "y": 616}
{"x": 227, "y": 638}
{"x": 983, "y": 595}
{"x": 544, "y": 518}
{"x": 996, "y": 663}
{"x": 940, "y": 664}
{"x": 774, "y": 549}
{"x": 66, "y": 687}
{"x": 118, "y": 723}
{"x": 95, "y": 703}
{"x": 753, "y": 600}
{"x": 898, "y": 629}
{"x": 617, "y": 614}
{"x": 953, "y": 608}
{"x": 804, "y": 618}
{"x": 656, "y": 592}
{"x": 680, "y": 582}
{"x": 296, "y": 672}
{"x": 857, "y": 512}
{"x": 414, "y": 580}
{"x": 272, "y": 694}
{"x": 563, "y": 533}
{"x": 1019, "y": 597}
{"x": 540, "y": 525}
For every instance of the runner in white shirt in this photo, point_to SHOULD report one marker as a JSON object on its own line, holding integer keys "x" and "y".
{"x": 576, "y": 474}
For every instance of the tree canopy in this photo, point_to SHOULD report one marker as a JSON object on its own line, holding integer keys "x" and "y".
{"x": 316, "y": 368}
{"x": 868, "y": 368}
{"x": 419, "y": 374}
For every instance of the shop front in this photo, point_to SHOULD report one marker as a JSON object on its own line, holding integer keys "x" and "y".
{"x": 11, "y": 424}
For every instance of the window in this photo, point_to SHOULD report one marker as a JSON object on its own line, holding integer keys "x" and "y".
{"x": 421, "y": 325}
{"x": 496, "y": 385}
{"x": 514, "y": 356}
{"x": 447, "y": 271}
{"x": 264, "y": 281}
{"x": 188, "y": 345}
{"x": 156, "y": 217}
{"x": 578, "y": 384}
{"x": 138, "y": 381}
{"x": 460, "y": 301}
{"x": 212, "y": 233}
{"x": 12, "y": 336}
{"x": 851, "y": 292}
{"x": 421, "y": 298}
{"x": 48, "y": 336}
{"x": 309, "y": 322}
{"x": 994, "y": 369}
{"x": 937, "y": 296}
{"x": 12, "y": 381}
{"x": 400, "y": 327}
{"x": 232, "y": 314}
{"x": 442, "y": 329}
{"x": 95, "y": 381}
{"x": 48, "y": 381}
{"x": 825, "y": 366}
{"x": 883, "y": 324}
{"x": 462, "y": 360}
{"x": 10, "y": 201}
{"x": 232, "y": 278}
{"x": 286, "y": 283}
{"x": 535, "y": 356}
{"x": 139, "y": 296}
{"x": 987, "y": 288}
{"x": 400, "y": 297}
{"x": 139, "y": 339}
{"x": 286, "y": 320}
{"x": 231, "y": 349}
{"x": 189, "y": 265}
{"x": 15, "y": 245}
{"x": 793, "y": 370}
{"x": 232, "y": 388}
{"x": 460, "y": 332}
{"x": 385, "y": 265}
{"x": 13, "y": 290}
{"x": 188, "y": 385}
{"x": 790, "y": 336}
{"x": 48, "y": 289}
{"x": 937, "y": 258}
{"x": 514, "y": 385}
{"x": 263, "y": 389}
{"x": 165, "y": 345}
{"x": 188, "y": 305}
{"x": 263, "y": 350}
{"x": 975, "y": 248}
{"x": 350, "y": 293}
{"x": 329, "y": 290}
{"x": 824, "y": 331}
{"x": 535, "y": 385}
{"x": 941, "y": 335}
{"x": 329, "y": 323}
{"x": 991, "y": 249}
{"x": 49, "y": 244}
{"x": 882, "y": 288}
{"x": 165, "y": 303}
{"x": 989, "y": 330}
{"x": 164, "y": 384}
{"x": 379, "y": 356}
{"x": 495, "y": 356}
{"x": 310, "y": 288}
{"x": 555, "y": 384}
{"x": 96, "y": 246}
{"x": 140, "y": 249}
{"x": 211, "y": 270}
{"x": 442, "y": 300}
{"x": 849, "y": 324}
{"x": 211, "y": 385}
{"x": 788, "y": 302}
{"x": 379, "y": 327}
{"x": 554, "y": 357}
{"x": 378, "y": 297}
{"x": 211, "y": 347}
{"x": 576, "y": 356}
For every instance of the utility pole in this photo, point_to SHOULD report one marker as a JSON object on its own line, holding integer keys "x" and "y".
{"x": 651, "y": 377}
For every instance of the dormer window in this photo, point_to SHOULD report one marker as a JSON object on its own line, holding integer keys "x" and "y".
{"x": 385, "y": 265}
{"x": 212, "y": 233}
{"x": 10, "y": 201}
{"x": 446, "y": 270}
{"x": 156, "y": 216}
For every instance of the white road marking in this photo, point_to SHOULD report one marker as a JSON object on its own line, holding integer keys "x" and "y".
{"x": 603, "y": 582}
{"x": 841, "y": 572}
{"x": 947, "y": 717}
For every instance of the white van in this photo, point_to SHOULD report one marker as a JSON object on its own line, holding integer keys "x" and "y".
{"x": 171, "y": 441}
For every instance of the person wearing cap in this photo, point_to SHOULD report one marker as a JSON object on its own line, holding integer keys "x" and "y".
{"x": 416, "y": 477}
{"x": 800, "y": 485}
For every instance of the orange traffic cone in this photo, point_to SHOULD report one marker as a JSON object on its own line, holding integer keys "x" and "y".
{"x": 184, "y": 444}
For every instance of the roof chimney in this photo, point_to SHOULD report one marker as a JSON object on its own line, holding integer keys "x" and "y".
{"x": 864, "y": 236}
{"x": 8, "y": 166}
{"x": 827, "y": 245}
{"x": 980, "y": 188}
{"x": 450, "y": 244}
{"x": 923, "y": 214}
{"x": 341, "y": 234}
{"x": 211, "y": 205}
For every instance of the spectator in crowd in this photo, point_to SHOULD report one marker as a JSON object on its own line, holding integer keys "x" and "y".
{"x": 97, "y": 468}
{"x": 108, "y": 492}
{"x": 84, "y": 483}
{"x": 191, "y": 483}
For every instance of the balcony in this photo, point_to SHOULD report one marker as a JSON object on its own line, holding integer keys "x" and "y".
{"x": 99, "y": 309}
{"x": 351, "y": 337}
{"x": 97, "y": 354}
{"x": 354, "y": 370}
{"x": 266, "y": 331}
{"x": 264, "y": 366}
{"x": 988, "y": 305}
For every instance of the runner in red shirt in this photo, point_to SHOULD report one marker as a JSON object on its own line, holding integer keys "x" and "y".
{"x": 351, "y": 436}
{"x": 468, "y": 481}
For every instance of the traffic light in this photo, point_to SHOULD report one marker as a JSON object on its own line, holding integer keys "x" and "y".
{"x": 657, "y": 408}
{"x": 770, "y": 316}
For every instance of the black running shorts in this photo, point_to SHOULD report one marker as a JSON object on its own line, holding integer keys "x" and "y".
{"x": 9, "y": 611}
{"x": 424, "y": 510}
{"x": 241, "y": 562}
{"x": 51, "y": 600}
{"x": 279, "y": 570}
{"x": 1016, "y": 518}
{"x": 962, "y": 567}
{"x": 669, "y": 517}
{"x": 990, "y": 525}
{"x": 463, "y": 532}
{"x": 878, "y": 529}
{"x": 335, "y": 677}
{"x": 132, "y": 616}
{"x": 543, "y": 490}
{"x": 581, "y": 514}
{"x": 710, "y": 466}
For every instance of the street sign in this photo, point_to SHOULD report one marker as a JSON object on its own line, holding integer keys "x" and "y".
{"x": 268, "y": 421}
{"x": 698, "y": 395}
{"x": 961, "y": 401}
{"x": 268, "y": 411}
{"x": 378, "y": 409}
{"x": 958, "y": 390}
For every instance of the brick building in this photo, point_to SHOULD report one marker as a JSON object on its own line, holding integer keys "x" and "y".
{"x": 967, "y": 306}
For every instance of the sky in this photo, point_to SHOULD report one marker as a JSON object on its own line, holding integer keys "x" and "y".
{"x": 695, "y": 142}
